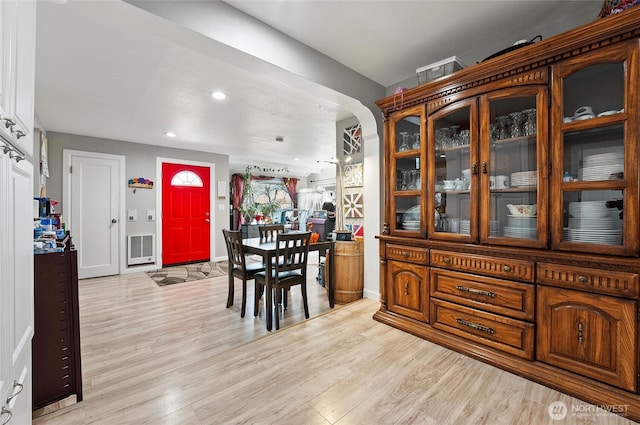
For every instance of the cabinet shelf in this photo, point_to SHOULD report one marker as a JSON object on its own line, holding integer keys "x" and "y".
{"x": 514, "y": 140}
{"x": 595, "y": 123}
{"x": 594, "y": 185}
{"x": 515, "y": 190}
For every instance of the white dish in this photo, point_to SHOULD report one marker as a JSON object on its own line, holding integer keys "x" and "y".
{"x": 584, "y": 117}
{"x": 605, "y": 113}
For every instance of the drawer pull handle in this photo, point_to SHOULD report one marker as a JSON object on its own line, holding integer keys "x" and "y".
{"x": 7, "y": 412}
{"x": 16, "y": 385}
{"x": 446, "y": 260}
{"x": 476, "y": 291}
{"x": 580, "y": 338}
{"x": 8, "y": 122}
{"x": 476, "y": 326}
{"x": 506, "y": 268}
{"x": 406, "y": 289}
{"x": 582, "y": 279}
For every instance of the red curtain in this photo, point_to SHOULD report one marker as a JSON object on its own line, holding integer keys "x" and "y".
{"x": 291, "y": 184}
{"x": 237, "y": 184}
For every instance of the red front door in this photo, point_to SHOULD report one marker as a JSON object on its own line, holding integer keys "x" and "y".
{"x": 185, "y": 214}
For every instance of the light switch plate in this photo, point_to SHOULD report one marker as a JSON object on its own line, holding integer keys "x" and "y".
{"x": 132, "y": 215}
{"x": 151, "y": 215}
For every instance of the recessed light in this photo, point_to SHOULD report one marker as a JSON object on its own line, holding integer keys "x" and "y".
{"x": 218, "y": 95}
{"x": 296, "y": 159}
{"x": 170, "y": 134}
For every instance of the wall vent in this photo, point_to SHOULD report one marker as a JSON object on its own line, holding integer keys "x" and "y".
{"x": 141, "y": 249}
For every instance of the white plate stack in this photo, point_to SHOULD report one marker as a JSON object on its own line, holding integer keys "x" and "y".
{"x": 465, "y": 227}
{"x": 592, "y": 222}
{"x": 521, "y": 226}
{"x": 493, "y": 229}
{"x": 604, "y": 166}
{"x": 411, "y": 224}
{"x": 411, "y": 218}
{"x": 524, "y": 179}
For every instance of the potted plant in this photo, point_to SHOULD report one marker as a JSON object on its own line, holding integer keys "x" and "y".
{"x": 267, "y": 209}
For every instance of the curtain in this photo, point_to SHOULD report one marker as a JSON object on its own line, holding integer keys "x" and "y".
{"x": 237, "y": 183}
{"x": 291, "y": 184}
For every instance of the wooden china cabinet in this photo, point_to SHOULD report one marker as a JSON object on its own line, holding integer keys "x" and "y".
{"x": 511, "y": 222}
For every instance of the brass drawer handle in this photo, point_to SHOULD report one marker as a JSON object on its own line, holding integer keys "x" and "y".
{"x": 582, "y": 279}
{"x": 476, "y": 326}
{"x": 476, "y": 291}
{"x": 446, "y": 260}
{"x": 506, "y": 268}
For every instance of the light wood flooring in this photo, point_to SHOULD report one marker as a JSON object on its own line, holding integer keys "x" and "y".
{"x": 176, "y": 355}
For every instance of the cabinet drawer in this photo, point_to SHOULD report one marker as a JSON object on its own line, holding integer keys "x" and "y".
{"x": 499, "y": 332}
{"x": 593, "y": 280}
{"x": 499, "y": 267}
{"x": 409, "y": 254}
{"x": 513, "y": 299}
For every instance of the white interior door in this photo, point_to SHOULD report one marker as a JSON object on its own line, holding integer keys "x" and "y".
{"x": 95, "y": 212}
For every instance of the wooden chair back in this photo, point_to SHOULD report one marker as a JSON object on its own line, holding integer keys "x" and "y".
{"x": 292, "y": 250}
{"x": 233, "y": 240}
{"x": 269, "y": 232}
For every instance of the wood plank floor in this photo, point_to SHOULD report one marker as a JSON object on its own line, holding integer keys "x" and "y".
{"x": 176, "y": 355}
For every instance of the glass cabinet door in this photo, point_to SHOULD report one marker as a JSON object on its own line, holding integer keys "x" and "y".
{"x": 594, "y": 182}
{"x": 407, "y": 171}
{"x": 452, "y": 204}
{"x": 513, "y": 184}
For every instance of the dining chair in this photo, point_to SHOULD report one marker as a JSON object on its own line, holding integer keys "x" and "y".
{"x": 291, "y": 270}
{"x": 269, "y": 232}
{"x": 238, "y": 266}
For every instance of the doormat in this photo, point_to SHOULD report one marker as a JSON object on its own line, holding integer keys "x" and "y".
{"x": 188, "y": 272}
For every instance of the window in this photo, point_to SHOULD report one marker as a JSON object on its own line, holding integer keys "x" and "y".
{"x": 186, "y": 178}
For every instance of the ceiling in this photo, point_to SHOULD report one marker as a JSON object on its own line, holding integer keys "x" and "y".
{"x": 108, "y": 69}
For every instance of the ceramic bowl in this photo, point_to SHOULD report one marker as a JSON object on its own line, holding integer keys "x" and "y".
{"x": 522, "y": 210}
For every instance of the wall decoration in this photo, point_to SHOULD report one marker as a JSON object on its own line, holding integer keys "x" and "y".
{"x": 352, "y": 140}
{"x": 353, "y": 175}
{"x": 140, "y": 182}
{"x": 353, "y": 205}
{"x": 356, "y": 229}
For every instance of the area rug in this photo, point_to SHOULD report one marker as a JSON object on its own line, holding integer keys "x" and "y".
{"x": 188, "y": 272}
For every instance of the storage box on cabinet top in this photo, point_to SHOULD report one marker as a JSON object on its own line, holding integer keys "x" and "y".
{"x": 439, "y": 69}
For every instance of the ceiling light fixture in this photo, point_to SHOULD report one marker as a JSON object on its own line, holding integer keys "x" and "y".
{"x": 170, "y": 134}
{"x": 279, "y": 139}
{"x": 218, "y": 95}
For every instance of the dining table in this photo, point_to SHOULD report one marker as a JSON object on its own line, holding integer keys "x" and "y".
{"x": 267, "y": 250}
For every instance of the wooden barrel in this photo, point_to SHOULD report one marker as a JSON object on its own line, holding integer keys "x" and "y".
{"x": 349, "y": 266}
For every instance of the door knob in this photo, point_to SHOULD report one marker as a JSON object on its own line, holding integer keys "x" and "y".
{"x": 206, "y": 220}
{"x": 114, "y": 221}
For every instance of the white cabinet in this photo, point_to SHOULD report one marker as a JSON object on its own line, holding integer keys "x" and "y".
{"x": 16, "y": 288}
{"x": 17, "y": 71}
{"x": 17, "y": 66}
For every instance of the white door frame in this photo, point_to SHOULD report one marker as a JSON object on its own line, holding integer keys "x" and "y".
{"x": 212, "y": 199}
{"x": 67, "y": 154}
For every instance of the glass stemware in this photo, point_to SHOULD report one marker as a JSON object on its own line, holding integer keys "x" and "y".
{"x": 530, "y": 124}
{"x": 517, "y": 119}
{"x": 404, "y": 145}
{"x": 416, "y": 141}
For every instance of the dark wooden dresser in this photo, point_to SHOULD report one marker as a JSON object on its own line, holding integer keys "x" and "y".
{"x": 56, "y": 343}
